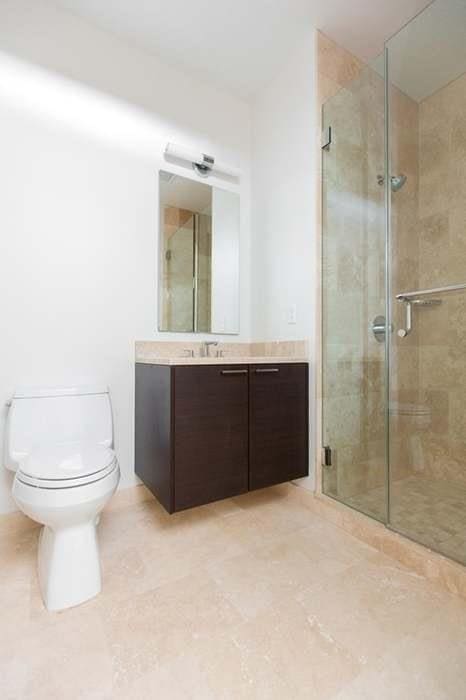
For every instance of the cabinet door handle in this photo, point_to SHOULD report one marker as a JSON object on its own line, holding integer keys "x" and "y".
{"x": 234, "y": 371}
{"x": 266, "y": 370}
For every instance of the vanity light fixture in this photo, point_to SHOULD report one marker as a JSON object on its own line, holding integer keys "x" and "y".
{"x": 201, "y": 162}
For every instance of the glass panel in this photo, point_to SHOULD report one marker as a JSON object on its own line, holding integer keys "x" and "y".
{"x": 177, "y": 269}
{"x": 353, "y": 272}
{"x": 427, "y": 408}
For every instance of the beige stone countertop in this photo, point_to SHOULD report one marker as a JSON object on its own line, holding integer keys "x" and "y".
{"x": 239, "y": 360}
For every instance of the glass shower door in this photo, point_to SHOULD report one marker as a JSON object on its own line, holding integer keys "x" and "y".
{"x": 353, "y": 303}
{"x": 178, "y": 260}
{"x": 427, "y": 408}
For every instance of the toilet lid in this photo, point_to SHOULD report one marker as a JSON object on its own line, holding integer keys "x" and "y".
{"x": 66, "y": 461}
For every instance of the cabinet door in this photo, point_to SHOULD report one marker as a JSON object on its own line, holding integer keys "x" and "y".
{"x": 211, "y": 433}
{"x": 278, "y": 424}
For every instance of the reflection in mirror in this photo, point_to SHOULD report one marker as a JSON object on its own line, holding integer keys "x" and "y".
{"x": 199, "y": 265}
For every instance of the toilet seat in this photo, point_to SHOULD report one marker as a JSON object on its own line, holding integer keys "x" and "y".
{"x": 66, "y": 465}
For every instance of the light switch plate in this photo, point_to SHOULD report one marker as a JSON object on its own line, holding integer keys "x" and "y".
{"x": 291, "y": 315}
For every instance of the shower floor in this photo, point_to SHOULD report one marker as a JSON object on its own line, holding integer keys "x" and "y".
{"x": 432, "y": 512}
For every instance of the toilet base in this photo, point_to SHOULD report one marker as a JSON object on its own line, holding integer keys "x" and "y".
{"x": 69, "y": 567}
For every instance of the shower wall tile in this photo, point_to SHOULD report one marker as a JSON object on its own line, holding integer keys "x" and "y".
{"x": 335, "y": 63}
{"x": 404, "y": 272}
{"x": 442, "y": 261}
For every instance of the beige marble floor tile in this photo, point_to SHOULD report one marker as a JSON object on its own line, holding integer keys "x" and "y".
{"x": 388, "y": 681}
{"x": 218, "y": 668}
{"x": 279, "y": 508}
{"x": 192, "y": 541}
{"x": 255, "y": 580}
{"x": 150, "y": 629}
{"x": 372, "y": 606}
{"x": 280, "y": 654}
{"x": 438, "y": 650}
{"x": 314, "y": 664}
{"x": 129, "y": 497}
{"x": 124, "y": 570}
{"x": 224, "y": 508}
{"x": 255, "y": 597}
{"x": 330, "y": 549}
{"x": 17, "y": 570}
{"x": 124, "y": 527}
{"x": 428, "y": 664}
{"x": 64, "y": 657}
{"x": 168, "y": 682}
{"x": 15, "y": 524}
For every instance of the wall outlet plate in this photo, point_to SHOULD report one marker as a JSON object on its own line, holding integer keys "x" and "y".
{"x": 291, "y": 314}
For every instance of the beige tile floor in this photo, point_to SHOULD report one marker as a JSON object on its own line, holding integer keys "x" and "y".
{"x": 254, "y": 597}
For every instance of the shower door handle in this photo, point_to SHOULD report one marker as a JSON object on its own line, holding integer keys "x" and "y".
{"x": 419, "y": 303}
{"x": 403, "y": 332}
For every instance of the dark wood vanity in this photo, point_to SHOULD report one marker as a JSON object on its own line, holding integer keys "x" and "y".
{"x": 207, "y": 432}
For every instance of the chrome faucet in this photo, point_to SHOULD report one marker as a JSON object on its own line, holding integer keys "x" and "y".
{"x": 205, "y": 347}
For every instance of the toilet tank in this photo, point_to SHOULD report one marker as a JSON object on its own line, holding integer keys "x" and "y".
{"x": 50, "y": 415}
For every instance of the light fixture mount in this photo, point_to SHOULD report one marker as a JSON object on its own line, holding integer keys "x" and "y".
{"x": 205, "y": 168}
{"x": 202, "y": 164}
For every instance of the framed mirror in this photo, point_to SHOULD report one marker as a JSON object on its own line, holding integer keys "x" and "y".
{"x": 199, "y": 257}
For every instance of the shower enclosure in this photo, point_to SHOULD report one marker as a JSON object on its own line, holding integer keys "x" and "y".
{"x": 394, "y": 284}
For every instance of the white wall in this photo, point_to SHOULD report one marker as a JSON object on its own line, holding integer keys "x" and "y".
{"x": 283, "y": 254}
{"x": 84, "y": 120}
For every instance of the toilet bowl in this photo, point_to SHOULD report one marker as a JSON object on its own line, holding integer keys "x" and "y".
{"x": 59, "y": 443}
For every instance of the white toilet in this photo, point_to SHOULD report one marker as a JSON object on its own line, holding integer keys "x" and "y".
{"x": 59, "y": 442}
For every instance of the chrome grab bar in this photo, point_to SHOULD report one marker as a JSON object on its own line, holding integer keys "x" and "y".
{"x": 410, "y": 298}
{"x": 405, "y": 296}
{"x": 403, "y": 332}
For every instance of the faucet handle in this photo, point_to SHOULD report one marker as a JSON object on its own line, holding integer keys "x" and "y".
{"x": 206, "y": 346}
{"x": 188, "y": 352}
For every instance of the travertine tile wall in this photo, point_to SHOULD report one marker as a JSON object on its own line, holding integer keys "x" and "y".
{"x": 442, "y": 261}
{"x": 404, "y": 272}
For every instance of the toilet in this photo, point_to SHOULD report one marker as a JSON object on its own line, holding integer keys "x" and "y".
{"x": 59, "y": 443}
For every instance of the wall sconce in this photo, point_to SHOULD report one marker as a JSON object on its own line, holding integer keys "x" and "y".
{"x": 203, "y": 164}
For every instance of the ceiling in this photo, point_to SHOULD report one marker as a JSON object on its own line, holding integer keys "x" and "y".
{"x": 240, "y": 44}
{"x": 430, "y": 52}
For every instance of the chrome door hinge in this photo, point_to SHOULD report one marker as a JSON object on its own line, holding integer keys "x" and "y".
{"x": 326, "y": 456}
{"x": 326, "y": 138}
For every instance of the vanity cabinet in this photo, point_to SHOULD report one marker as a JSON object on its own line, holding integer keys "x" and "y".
{"x": 278, "y": 424}
{"x": 210, "y": 434}
{"x": 207, "y": 432}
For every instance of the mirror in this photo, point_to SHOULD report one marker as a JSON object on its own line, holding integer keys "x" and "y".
{"x": 199, "y": 257}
